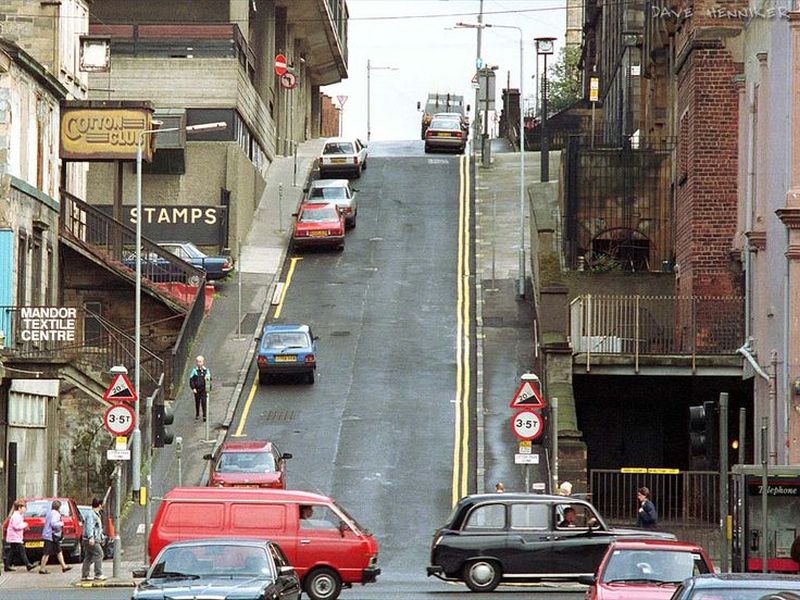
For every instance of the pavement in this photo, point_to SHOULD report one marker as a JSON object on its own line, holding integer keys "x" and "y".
{"x": 227, "y": 340}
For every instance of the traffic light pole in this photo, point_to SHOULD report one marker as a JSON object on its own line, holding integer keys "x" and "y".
{"x": 723, "y": 481}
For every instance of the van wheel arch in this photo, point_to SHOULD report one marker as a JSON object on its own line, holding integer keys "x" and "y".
{"x": 322, "y": 583}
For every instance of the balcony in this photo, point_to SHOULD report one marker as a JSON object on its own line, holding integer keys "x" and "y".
{"x": 657, "y": 333}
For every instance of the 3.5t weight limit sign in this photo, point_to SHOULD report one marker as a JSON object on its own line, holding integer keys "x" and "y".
{"x": 119, "y": 419}
{"x": 527, "y": 425}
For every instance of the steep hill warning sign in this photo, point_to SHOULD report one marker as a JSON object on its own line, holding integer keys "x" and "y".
{"x": 120, "y": 390}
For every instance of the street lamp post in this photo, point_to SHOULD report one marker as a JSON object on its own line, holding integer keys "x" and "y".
{"x": 544, "y": 47}
{"x": 479, "y": 26}
{"x": 369, "y": 69}
{"x": 136, "y": 436}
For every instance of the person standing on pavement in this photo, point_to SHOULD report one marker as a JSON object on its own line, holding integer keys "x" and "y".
{"x": 647, "y": 510}
{"x": 93, "y": 544}
{"x": 200, "y": 382}
{"x": 52, "y": 534}
{"x": 14, "y": 533}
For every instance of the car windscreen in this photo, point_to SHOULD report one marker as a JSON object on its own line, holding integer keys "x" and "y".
{"x": 329, "y": 193}
{"x": 732, "y": 593}
{"x": 339, "y": 148}
{"x": 446, "y": 124}
{"x": 223, "y": 560}
{"x": 278, "y": 341}
{"x": 319, "y": 215}
{"x": 40, "y": 508}
{"x": 653, "y": 565}
{"x": 193, "y": 251}
{"x": 245, "y": 462}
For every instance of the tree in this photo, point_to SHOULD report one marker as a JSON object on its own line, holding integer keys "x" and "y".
{"x": 564, "y": 80}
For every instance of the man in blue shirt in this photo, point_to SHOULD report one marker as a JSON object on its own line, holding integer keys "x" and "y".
{"x": 93, "y": 544}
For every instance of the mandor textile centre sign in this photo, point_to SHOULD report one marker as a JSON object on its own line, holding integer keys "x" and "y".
{"x": 47, "y": 323}
{"x": 102, "y": 134}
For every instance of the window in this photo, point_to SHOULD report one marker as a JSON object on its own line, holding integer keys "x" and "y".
{"x": 529, "y": 515}
{"x": 37, "y": 259}
{"x": 22, "y": 269}
{"x": 487, "y": 517}
{"x": 574, "y": 516}
{"x": 26, "y": 410}
{"x": 318, "y": 517}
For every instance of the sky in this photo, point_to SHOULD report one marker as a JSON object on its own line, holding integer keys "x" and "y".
{"x": 419, "y": 41}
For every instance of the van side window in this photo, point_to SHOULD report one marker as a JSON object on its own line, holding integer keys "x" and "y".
{"x": 489, "y": 517}
{"x": 529, "y": 515}
{"x": 264, "y": 517}
{"x": 186, "y": 514}
{"x": 317, "y": 517}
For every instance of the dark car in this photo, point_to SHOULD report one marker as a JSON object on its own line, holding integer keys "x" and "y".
{"x": 495, "y": 538}
{"x": 739, "y": 586}
{"x": 251, "y": 463}
{"x": 159, "y": 269}
{"x": 287, "y": 349}
{"x": 108, "y": 529}
{"x": 645, "y": 569}
{"x": 244, "y": 569}
{"x": 36, "y": 510}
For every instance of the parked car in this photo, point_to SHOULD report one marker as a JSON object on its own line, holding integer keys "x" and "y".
{"x": 254, "y": 463}
{"x": 320, "y": 225}
{"x": 108, "y": 529}
{"x": 739, "y": 586}
{"x": 216, "y": 267}
{"x": 337, "y": 191}
{"x": 288, "y": 349}
{"x": 645, "y": 569}
{"x": 343, "y": 156}
{"x": 35, "y": 513}
{"x": 325, "y": 545}
{"x": 445, "y": 134}
{"x": 495, "y": 538}
{"x": 245, "y": 569}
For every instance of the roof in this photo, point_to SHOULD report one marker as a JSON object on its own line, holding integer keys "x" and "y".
{"x": 34, "y": 68}
{"x": 322, "y": 183}
{"x": 251, "y": 494}
{"x": 340, "y": 139}
{"x": 474, "y": 498}
{"x": 248, "y": 446}
{"x": 746, "y": 580}
{"x": 226, "y": 541}
{"x": 650, "y": 544}
{"x": 318, "y": 205}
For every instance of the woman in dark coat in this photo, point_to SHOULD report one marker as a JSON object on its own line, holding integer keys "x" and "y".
{"x": 647, "y": 510}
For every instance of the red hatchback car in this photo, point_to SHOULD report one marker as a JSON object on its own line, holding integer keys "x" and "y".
{"x": 256, "y": 463}
{"x": 645, "y": 569}
{"x": 35, "y": 513}
{"x": 318, "y": 225}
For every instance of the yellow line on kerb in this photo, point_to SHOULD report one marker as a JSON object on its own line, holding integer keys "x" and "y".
{"x": 292, "y": 264}
{"x": 461, "y": 433}
{"x": 246, "y": 410}
{"x": 254, "y": 387}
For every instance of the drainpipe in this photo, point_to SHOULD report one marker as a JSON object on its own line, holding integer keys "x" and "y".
{"x": 748, "y": 218}
{"x": 787, "y": 184}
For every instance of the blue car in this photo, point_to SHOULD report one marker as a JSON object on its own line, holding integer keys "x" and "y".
{"x": 290, "y": 349}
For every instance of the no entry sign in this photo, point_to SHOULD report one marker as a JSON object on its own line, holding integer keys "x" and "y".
{"x": 281, "y": 65}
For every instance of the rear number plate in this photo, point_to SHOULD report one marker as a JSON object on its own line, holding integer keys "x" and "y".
{"x": 285, "y": 358}
{"x": 443, "y": 134}
{"x": 318, "y": 233}
{"x": 34, "y": 544}
{"x": 338, "y": 161}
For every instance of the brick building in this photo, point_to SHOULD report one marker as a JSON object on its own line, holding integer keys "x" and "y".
{"x": 331, "y": 117}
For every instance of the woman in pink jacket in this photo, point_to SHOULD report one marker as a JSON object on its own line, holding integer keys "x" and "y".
{"x": 14, "y": 532}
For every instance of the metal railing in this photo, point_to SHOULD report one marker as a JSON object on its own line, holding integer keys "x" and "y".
{"x": 180, "y": 351}
{"x": 179, "y": 40}
{"x": 656, "y": 325}
{"x": 77, "y": 335}
{"x": 115, "y": 244}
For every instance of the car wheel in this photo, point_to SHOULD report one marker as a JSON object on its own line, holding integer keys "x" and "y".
{"x": 358, "y": 173}
{"x": 365, "y": 164}
{"x": 263, "y": 378}
{"x": 310, "y": 377}
{"x": 427, "y": 149}
{"x": 353, "y": 224}
{"x": 323, "y": 584}
{"x": 481, "y": 575}
{"x": 77, "y": 554}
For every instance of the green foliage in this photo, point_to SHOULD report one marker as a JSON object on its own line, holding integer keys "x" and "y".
{"x": 564, "y": 80}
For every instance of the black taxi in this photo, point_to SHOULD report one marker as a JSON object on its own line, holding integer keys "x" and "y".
{"x": 506, "y": 538}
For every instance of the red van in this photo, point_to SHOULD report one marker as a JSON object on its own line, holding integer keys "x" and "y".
{"x": 326, "y": 546}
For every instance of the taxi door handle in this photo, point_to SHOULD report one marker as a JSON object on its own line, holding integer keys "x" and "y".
{"x": 305, "y": 541}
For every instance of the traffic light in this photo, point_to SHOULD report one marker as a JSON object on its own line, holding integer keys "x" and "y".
{"x": 161, "y": 417}
{"x": 703, "y": 442}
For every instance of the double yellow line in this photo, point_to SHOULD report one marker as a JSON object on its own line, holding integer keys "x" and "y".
{"x": 463, "y": 346}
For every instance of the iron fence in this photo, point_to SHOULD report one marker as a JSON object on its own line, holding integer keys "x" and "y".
{"x": 658, "y": 325}
{"x": 618, "y": 204}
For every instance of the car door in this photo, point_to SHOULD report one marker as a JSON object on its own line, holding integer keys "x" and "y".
{"x": 322, "y": 537}
{"x": 287, "y": 583}
{"x": 577, "y": 549}
{"x": 528, "y": 541}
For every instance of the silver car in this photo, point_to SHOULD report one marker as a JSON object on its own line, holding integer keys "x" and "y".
{"x": 445, "y": 134}
{"x": 336, "y": 191}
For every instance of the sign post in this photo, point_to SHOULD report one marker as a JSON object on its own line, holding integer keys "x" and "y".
{"x": 527, "y": 423}
{"x": 594, "y": 94}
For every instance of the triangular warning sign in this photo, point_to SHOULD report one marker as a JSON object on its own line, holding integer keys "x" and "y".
{"x": 120, "y": 390}
{"x": 527, "y": 396}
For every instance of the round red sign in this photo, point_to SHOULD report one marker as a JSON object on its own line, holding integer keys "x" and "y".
{"x": 281, "y": 65}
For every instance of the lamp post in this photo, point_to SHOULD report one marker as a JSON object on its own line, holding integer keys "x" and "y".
{"x": 136, "y": 436}
{"x": 370, "y": 68}
{"x": 544, "y": 47}
{"x": 479, "y": 26}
